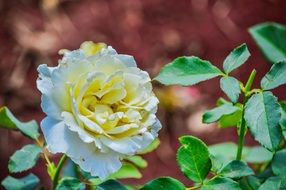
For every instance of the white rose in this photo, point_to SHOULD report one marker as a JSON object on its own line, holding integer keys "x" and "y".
{"x": 100, "y": 108}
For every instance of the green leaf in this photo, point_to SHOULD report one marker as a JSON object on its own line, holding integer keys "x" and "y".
{"x": 226, "y": 152}
{"x": 216, "y": 113}
{"x": 279, "y": 162}
{"x": 111, "y": 184}
{"x": 253, "y": 182}
{"x": 283, "y": 118}
{"x": 266, "y": 173}
{"x": 262, "y": 116}
{"x": 223, "y": 153}
{"x": 9, "y": 121}
{"x": 244, "y": 184}
{"x": 151, "y": 147}
{"x": 275, "y": 77}
{"x": 187, "y": 71}
{"x": 137, "y": 160}
{"x": 24, "y": 159}
{"x": 231, "y": 120}
{"x": 250, "y": 183}
{"x": 256, "y": 155}
{"x": 221, "y": 183}
{"x": 230, "y": 86}
{"x": 236, "y": 58}
{"x": 127, "y": 171}
{"x": 70, "y": 183}
{"x": 164, "y": 183}
{"x": 193, "y": 158}
{"x": 271, "y": 39}
{"x": 273, "y": 183}
{"x": 216, "y": 163}
{"x": 95, "y": 181}
{"x": 69, "y": 170}
{"x": 29, "y": 182}
{"x": 51, "y": 169}
{"x": 222, "y": 101}
{"x": 236, "y": 169}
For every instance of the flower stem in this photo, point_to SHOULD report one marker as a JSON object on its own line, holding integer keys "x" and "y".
{"x": 58, "y": 171}
{"x": 243, "y": 125}
{"x": 193, "y": 188}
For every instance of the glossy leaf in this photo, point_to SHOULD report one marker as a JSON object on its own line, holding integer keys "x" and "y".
{"x": 70, "y": 183}
{"x": 137, "y": 160}
{"x": 217, "y": 163}
{"x": 271, "y": 39}
{"x": 267, "y": 173}
{"x": 283, "y": 118}
{"x": 24, "y": 159}
{"x": 230, "y": 86}
{"x": 187, "y": 71}
{"x": 164, "y": 183}
{"x": 257, "y": 155}
{"x": 275, "y": 77}
{"x": 236, "y": 169}
{"x": 193, "y": 158}
{"x": 253, "y": 182}
{"x": 216, "y": 113}
{"x": 223, "y": 152}
{"x": 236, "y": 58}
{"x": 111, "y": 184}
{"x": 69, "y": 170}
{"x": 127, "y": 171}
{"x": 262, "y": 116}
{"x": 244, "y": 184}
{"x": 231, "y": 120}
{"x": 9, "y": 121}
{"x": 29, "y": 182}
{"x": 226, "y": 152}
{"x": 221, "y": 183}
{"x": 279, "y": 162}
{"x": 273, "y": 183}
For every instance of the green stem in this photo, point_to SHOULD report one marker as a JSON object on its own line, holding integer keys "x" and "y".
{"x": 243, "y": 125}
{"x": 58, "y": 171}
{"x": 193, "y": 188}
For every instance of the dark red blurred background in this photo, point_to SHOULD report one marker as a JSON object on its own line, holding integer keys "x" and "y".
{"x": 154, "y": 32}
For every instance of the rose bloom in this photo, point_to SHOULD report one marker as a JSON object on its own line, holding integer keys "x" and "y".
{"x": 100, "y": 108}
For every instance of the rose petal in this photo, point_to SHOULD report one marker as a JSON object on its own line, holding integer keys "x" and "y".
{"x": 71, "y": 123}
{"x": 129, "y": 145}
{"x": 86, "y": 155}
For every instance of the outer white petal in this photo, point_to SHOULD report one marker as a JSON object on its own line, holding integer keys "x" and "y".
{"x": 108, "y": 51}
{"x": 45, "y": 71}
{"x": 129, "y": 145}
{"x": 50, "y": 107}
{"x": 71, "y": 57}
{"x": 155, "y": 128}
{"x": 128, "y": 60}
{"x": 55, "y": 136}
{"x": 44, "y": 83}
{"x": 109, "y": 65}
{"x": 151, "y": 104}
{"x": 61, "y": 140}
{"x": 149, "y": 120}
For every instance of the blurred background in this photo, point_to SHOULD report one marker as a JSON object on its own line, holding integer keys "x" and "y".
{"x": 154, "y": 32}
